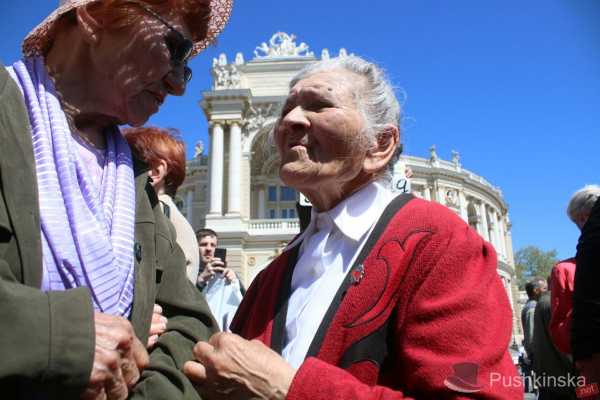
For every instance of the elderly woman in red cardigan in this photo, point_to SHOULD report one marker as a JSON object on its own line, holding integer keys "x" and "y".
{"x": 382, "y": 296}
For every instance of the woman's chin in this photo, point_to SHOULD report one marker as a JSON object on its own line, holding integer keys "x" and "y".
{"x": 137, "y": 119}
{"x": 140, "y": 109}
{"x": 297, "y": 176}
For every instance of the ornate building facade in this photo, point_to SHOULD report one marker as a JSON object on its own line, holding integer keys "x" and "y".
{"x": 236, "y": 190}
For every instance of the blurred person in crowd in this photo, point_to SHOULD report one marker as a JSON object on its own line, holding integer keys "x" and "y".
{"x": 380, "y": 296}
{"x": 534, "y": 289}
{"x": 220, "y": 285}
{"x": 586, "y": 299}
{"x": 563, "y": 273}
{"x": 165, "y": 156}
{"x": 549, "y": 363}
{"x": 85, "y": 250}
{"x": 210, "y": 266}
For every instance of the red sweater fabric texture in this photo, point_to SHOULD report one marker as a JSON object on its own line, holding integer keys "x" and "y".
{"x": 433, "y": 280}
{"x": 562, "y": 285}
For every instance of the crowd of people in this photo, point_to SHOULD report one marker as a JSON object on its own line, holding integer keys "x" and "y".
{"x": 548, "y": 314}
{"x": 108, "y": 293}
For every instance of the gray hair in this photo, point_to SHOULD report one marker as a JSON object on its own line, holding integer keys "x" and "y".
{"x": 376, "y": 99}
{"x": 535, "y": 283}
{"x": 583, "y": 201}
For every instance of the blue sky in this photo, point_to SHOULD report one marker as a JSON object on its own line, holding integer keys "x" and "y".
{"x": 514, "y": 86}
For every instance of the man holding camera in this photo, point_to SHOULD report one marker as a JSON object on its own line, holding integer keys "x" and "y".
{"x": 220, "y": 285}
{"x": 211, "y": 264}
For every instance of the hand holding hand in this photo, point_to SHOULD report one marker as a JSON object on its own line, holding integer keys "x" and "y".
{"x": 231, "y": 367}
{"x": 118, "y": 359}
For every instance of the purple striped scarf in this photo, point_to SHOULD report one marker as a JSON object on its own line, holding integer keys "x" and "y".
{"x": 87, "y": 234}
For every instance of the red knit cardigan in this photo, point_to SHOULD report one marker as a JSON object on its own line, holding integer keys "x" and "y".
{"x": 422, "y": 297}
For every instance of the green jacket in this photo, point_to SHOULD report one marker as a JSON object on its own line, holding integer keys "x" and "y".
{"x": 47, "y": 339}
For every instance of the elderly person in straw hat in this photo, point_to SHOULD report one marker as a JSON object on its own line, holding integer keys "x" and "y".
{"x": 85, "y": 251}
{"x": 380, "y": 296}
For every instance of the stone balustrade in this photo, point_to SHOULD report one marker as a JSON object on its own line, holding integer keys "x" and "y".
{"x": 273, "y": 226}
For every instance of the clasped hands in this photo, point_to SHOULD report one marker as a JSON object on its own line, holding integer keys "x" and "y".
{"x": 230, "y": 367}
{"x": 119, "y": 357}
{"x": 226, "y": 367}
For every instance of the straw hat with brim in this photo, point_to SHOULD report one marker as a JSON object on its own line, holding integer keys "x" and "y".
{"x": 40, "y": 38}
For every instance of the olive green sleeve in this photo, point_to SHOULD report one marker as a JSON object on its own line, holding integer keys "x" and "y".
{"x": 189, "y": 321}
{"x": 48, "y": 337}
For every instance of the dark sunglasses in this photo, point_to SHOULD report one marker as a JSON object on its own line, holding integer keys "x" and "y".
{"x": 179, "y": 46}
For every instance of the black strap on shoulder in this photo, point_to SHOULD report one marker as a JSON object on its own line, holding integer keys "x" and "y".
{"x": 278, "y": 333}
{"x": 166, "y": 209}
{"x": 389, "y": 212}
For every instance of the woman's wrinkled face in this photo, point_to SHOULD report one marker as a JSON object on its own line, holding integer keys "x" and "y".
{"x": 320, "y": 133}
{"x": 137, "y": 64}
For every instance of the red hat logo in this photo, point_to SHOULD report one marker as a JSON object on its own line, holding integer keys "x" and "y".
{"x": 464, "y": 379}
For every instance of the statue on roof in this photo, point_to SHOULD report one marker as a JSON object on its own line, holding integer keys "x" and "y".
{"x": 225, "y": 76}
{"x": 456, "y": 158}
{"x": 433, "y": 157}
{"x": 282, "y": 45}
{"x": 198, "y": 149}
{"x": 239, "y": 58}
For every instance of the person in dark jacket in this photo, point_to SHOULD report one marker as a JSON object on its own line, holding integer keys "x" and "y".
{"x": 549, "y": 364}
{"x": 585, "y": 339}
{"x": 534, "y": 288}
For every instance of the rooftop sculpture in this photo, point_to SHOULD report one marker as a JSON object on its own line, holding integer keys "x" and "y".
{"x": 282, "y": 45}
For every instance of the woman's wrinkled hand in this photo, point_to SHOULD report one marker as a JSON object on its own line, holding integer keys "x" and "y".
{"x": 119, "y": 358}
{"x": 231, "y": 367}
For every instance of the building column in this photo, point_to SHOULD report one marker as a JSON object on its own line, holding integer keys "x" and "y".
{"x": 498, "y": 234}
{"x": 484, "y": 224}
{"x": 441, "y": 195}
{"x": 462, "y": 202}
{"x": 216, "y": 170}
{"x": 235, "y": 159}
{"x": 492, "y": 229}
{"x": 502, "y": 235}
{"x": 189, "y": 206}
{"x": 427, "y": 192}
{"x": 262, "y": 202}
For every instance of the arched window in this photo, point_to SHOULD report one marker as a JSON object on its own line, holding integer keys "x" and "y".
{"x": 472, "y": 216}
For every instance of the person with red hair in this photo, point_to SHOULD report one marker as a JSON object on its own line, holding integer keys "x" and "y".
{"x": 165, "y": 155}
